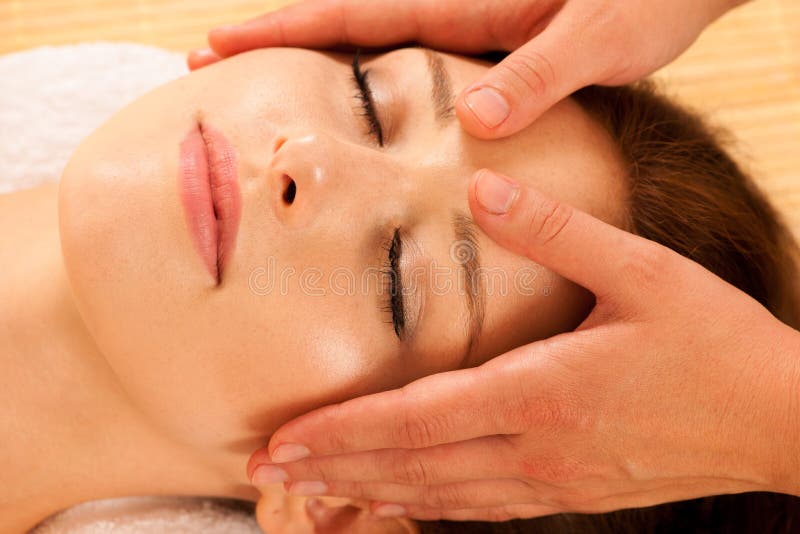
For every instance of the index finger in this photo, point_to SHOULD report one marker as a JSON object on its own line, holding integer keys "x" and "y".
{"x": 608, "y": 261}
{"x": 328, "y": 23}
{"x": 444, "y": 408}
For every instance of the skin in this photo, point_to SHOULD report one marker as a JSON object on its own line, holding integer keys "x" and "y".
{"x": 692, "y": 409}
{"x": 556, "y": 46}
{"x": 186, "y": 377}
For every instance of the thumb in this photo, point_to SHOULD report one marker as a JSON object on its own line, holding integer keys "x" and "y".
{"x": 591, "y": 253}
{"x": 513, "y": 93}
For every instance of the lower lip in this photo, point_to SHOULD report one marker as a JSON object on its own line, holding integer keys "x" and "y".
{"x": 209, "y": 190}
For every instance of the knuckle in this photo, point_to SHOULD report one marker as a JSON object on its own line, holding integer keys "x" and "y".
{"x": 601, "y": 17}
{"x": 354, "y": 490}
{"x": 556, "y": 470}
{"x": 509, "y": 29}
{"x": 343, "y": 16}
{"x": 417, "y": 428}
{"x": 314, "y": 470}
{"x": 409, "y": 469}
{"x": 444, "y": 496}
{"x": 513, "y": 415}
{"x": 336, "y": 440}
{"x": 514, "y": 412}
{"x": 547, "y": 219}
{"x": 555, "y": 411}
{"x": 530, "y": 73}
{"x": 645, "y": 266}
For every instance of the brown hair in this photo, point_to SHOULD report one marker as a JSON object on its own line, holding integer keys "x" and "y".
{"x": 687, "y": 193}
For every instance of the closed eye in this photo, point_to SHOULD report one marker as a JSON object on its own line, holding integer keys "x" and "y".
{"x": 366, "y": 100}
{"x": 395, "y": 304}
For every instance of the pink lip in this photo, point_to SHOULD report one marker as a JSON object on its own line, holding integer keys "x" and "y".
{"x": 209, "y": 189}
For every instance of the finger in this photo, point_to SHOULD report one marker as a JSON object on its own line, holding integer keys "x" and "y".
{"x": 446, "y": 24}
{"x": 494, "y": 514}
{"x": 475, "y": 459}
{"x": 331, "y": 519}
{"x": 200, "y": 58}
{"x": 607, "y": 261}
{"x": 319, "y": 24}
{"x": 469, "y": 494}
{"x": 530, "y": 80}
{"x": 430, "y": 411}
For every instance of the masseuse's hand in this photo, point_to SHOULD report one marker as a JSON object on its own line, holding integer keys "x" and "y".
{"x": 560, "y": 45}
{"x": 676, "y": 386}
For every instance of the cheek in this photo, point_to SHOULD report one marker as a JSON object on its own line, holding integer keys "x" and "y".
{"x": 538, "y": 304}
{"x": 122, "y": 239}
{"x": 306, "y": 360}
{"x": 120, "y": 217}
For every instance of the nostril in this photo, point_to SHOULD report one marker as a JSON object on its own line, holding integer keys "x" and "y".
{"x": 289, "y": 190}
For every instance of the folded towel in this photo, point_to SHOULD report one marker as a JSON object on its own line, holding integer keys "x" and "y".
{"x": 51, "y": 98}
{"x": 154, "y": 515}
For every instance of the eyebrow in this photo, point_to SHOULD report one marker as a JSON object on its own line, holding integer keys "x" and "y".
{"x": 466, "y": 253}
{"x": 441, "y": 88}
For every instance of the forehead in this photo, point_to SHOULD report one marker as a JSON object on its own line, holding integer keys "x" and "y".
{"x": 564, "y": 153}
{"x": 567, "y": 155}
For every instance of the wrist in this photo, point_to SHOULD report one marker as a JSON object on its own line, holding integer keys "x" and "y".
{"x": 786, "y": 475}
{"x": 759, "y": 425}
{"x": 776, "y": 403}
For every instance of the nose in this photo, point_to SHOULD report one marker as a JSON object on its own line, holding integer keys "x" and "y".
{"x": 305, "y": 174}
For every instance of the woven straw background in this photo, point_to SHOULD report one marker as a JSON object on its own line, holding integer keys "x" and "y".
{"x": 744, "y": 71}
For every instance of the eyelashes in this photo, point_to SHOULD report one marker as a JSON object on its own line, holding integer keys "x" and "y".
{"x": 365, "y": 98}
{"x": 393, "y": 287}
{"x": 394, "y": 305}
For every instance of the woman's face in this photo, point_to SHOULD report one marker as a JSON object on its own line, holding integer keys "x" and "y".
{"x": 302, "y": 315}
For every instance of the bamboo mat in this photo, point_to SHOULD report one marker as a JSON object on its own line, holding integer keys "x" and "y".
{"x": 744, "y": 71}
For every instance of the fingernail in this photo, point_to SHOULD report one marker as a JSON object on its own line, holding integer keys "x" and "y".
{"x": 390, "y": 510}
{"x": 269, "y": 474}
{"x": 489, "y": 106}
{"x": 289, "y": 452}
{"x": 202, "y": 52}
{"x": 495, "y": 193}
{"x": 308, "y": 487}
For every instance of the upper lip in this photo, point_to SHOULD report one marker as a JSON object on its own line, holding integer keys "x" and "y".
{"x": 211, "y": 196}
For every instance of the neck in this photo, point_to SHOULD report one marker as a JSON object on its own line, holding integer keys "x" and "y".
{"x": 70, "y": 434}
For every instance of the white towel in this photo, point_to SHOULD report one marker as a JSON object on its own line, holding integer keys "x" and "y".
{"x": 153, "y": 515}
{"x": 51, "y": 98}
